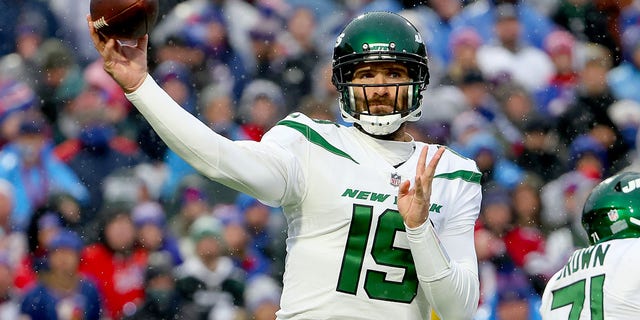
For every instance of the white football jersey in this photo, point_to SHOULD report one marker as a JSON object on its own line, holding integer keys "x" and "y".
{"x": 598, "y": 282}
{"x": 348, "y": 253}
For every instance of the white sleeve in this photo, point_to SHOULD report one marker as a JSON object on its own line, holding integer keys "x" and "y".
{"x": 263, "y": 170}
{"x": 447, "y": 266}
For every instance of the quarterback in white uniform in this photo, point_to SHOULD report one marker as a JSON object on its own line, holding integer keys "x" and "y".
{"x": 362, "y": 243}
{"x": 600, "y": 282}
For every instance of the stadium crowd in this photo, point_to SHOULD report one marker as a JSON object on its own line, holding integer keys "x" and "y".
{"x": 100, "y": 220}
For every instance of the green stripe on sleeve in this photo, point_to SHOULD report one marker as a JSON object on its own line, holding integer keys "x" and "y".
{"x": 465, "y": 175}
{"x": 315, "y": 138}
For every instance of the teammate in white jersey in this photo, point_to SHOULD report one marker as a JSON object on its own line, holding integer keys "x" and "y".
{"x": 601, "y": 281}
{"x": 379, "y": 226}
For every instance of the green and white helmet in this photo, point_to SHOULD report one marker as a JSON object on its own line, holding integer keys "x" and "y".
{"x": 612, "y": 210}
{"x": 380, "y": 37}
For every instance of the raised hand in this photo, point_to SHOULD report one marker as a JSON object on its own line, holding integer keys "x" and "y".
{"x": 413, "y": 203}
{"x": 127, "y": 64}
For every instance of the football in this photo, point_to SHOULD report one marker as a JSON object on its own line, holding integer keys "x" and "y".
{"x": 124, "y": 19}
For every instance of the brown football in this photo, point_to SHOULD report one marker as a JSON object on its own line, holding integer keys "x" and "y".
{"x": 124, "y": 19}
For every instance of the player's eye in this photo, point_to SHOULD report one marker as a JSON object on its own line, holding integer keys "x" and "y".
{"x": 365, "y": 75}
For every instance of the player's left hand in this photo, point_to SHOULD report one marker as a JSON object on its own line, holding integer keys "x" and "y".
{"x": 413, "y": 203}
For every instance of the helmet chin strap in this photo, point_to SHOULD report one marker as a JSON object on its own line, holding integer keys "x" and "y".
{"x": 379, "y": 125}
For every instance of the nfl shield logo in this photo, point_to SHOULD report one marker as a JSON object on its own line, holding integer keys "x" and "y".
{"x": 613, "y": 215}
{"x": 395, "y": 179}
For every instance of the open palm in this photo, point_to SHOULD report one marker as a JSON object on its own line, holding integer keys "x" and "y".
{"x": 413, "y": 203}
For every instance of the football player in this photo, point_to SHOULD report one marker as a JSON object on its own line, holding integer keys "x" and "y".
{"x": 380, "y": 226}
{"x": 598, "y": 282}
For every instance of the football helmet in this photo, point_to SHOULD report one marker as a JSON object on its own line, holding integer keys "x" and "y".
{"x": 612, "y": 210}
{"x": 380, "y": 37}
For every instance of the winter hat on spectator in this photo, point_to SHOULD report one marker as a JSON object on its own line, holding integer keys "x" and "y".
{"x": 483, "y": 141}
{"x": 205, "y": 226}
{"x": 625, "y": 114}
{"x": 195, "y": 30}
{"x": 585, "y": 144}
{"x": 49, "y": 220}
{"x": 467, "y": 122}
{"x": 148, "y": 213}
{"x": 34, "y": 123}
{"x": 191, "y": 194}
{"x": 95, "y": 76}
{"x": 466, "y": 37}
{"x": 266, "y": 29}
{"x": 245, "y": 201}
{"x": 66, "y": 239}
{"x": 495, "y": 194}
{"x": 159, "y": 264}
{"x": 559, "y": 42}
{"x": 506, "y": 11}
{"x": 261, "y": 88}
{"x": 14, "y": 96}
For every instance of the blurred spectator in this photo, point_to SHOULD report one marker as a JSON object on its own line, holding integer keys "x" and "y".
{"x": 515, "y": 298}
{"x": 44, "y": 225}
{"x": 463, "y": 45}
{"x": 176, "y": 79}
{"x": 101, "y": 96}
{"x": 115, "y": 264}
{"x": 26, "y": 13}
{"x": 587, "y": 23}
{"x": 15, "y": 98}
{"x": 153, "y": 234}
{"x": 261, "y": 106}
{"x": 267, "y": 52}
{"x": 554, "y": 98}
{"x": 517, "y": 107}
{"x": 301, "y": 55}
{"x": 62, "y": 292}
{"x": 209, "y": 278}
{"x": 540, "y": 153}
{"x": 193, "y": 203}
{"x": 622, "y": 77}
{"x": 170, "y": 28}
{"x": 316, "y": 109}
{"x": 509, "y": 55}
{"x": 75, "y": 33}
{"x": 625, "y": 115}
{"x": 162, "y": 298}
{"x": 266, "y": 233}
{"x": 262, "y": 296}
{"x": 436, "y": 22}
{"x": 216, "y": 109}
{"x": 35, "y": 172}
{"x": 29, "y": 35}
{"x": 97, "y": 152}
{"x": 485, "y": 149}
{"x": 13, "y": 243}
{"x": 481, "y": 15}
{"x": 58, "y": 81}
{"x": 565, "y": 196}
{"x": 589, "y": 113}
{"x": 9, "y": 299}
{"x": 478, "y": 98}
